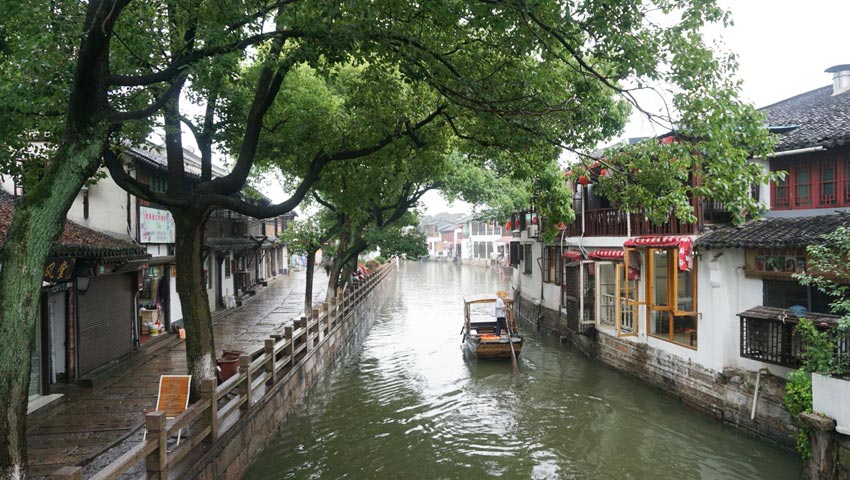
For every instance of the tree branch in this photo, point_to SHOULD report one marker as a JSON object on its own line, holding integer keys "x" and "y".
{"x": 120, "y": 117}
{"x": 120, "y": 176}
{"x": 179, "y": 65}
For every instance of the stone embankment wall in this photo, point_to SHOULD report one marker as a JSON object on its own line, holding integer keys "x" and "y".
{"x": 233, "y": 452}
{"x": 727, "y": 395}
{"x": 830, "y": 457}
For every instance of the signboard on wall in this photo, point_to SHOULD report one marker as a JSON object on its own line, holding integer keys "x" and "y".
{"x": 59, "y": 269}
{"x": 155, "y": 226}
{"x": 774, "y": 263}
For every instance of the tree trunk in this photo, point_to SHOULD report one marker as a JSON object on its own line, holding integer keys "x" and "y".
{"x": 37, "y": 223}
{"x": 191, "y": 286}
{"x": 334, "y": 279}
{"x": 348, "y": 269}
{"x": 308, "y": 288}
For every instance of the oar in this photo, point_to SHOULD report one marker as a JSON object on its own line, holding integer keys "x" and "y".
{"x": 513, "y": 353}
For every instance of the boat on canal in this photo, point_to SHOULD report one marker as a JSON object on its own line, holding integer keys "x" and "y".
{"x": 479, "y": 329}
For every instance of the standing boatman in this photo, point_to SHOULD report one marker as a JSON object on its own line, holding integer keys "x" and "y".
{"x": 501, "y": 321}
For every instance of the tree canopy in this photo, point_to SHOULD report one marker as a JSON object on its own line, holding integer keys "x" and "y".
{"x": 410, "y": 93}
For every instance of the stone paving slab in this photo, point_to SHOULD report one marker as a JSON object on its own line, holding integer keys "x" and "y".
{"x": 93, "y": 426}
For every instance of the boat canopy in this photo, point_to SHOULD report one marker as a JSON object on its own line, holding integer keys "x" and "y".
{"x": 484, "y": 298}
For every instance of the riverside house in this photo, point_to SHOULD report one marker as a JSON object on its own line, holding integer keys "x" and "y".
{"x": 704, "y": 311}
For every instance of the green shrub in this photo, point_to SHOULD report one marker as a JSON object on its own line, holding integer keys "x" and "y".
{"x": 372, "y": 264}
{"x": 380, "y": 259}
{"x": 798, "y": 400}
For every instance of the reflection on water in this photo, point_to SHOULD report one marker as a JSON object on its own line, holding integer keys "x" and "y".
{"x": 410, "y": 406}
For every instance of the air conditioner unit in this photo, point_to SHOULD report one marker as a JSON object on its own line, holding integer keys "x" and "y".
{"x": 533, "y": 230}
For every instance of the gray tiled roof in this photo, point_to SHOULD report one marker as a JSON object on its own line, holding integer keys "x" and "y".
{"x": 773, "y": 232}
{"x": 822, "y": 119}
{"x": 76, "y": 240}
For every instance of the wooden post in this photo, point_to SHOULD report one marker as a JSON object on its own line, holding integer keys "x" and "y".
{"x": 245, "y": 369}
{"x": 68, "y": 473}
{"x": 317, "y": 321}
{"x": 208, "y": 386}
{"x": 268, "y": 348}
{"x": 332, "y": 312}
{"x": 287, "y": 334}
{"x": 341, "y": 305}
{"x": 305, "y": 332}
{"x": 323, "y": 319}
{"x": 156, "y": 463}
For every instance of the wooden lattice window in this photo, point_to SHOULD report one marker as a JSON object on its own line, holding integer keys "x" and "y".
{"x": 780, "y": 193}
{"x": 847, "y": 181}
{"x": 803, "y": 185}
{"x": 828, "y": 183}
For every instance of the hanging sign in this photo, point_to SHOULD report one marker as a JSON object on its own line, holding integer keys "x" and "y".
{"x": 59, "y": 269}
{"x": 155, "y": 226}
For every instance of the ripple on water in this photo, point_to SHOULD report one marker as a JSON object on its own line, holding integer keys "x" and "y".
{"x": 409, "y": 406}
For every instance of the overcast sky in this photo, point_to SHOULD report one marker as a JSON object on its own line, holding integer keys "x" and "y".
{"x": 783, "y": 48}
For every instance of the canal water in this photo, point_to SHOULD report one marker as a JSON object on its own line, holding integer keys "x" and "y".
{"x": 409, "y": 406}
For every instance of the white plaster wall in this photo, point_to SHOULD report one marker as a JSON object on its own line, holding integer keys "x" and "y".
{"x": 529, "y": 285}
{"x": 107, "y": 209}
{"x": 174, "y": 298}
{"x": 724, "y": 291}
{"x": 227, "y": 282}
{"x": 209, "y": 266}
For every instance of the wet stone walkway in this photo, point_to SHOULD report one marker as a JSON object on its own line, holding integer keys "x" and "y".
{"x": 93, "y": 426}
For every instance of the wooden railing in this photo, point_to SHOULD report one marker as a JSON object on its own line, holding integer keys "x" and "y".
{"x": 222, "y": 406}
{"x": 612, "y": 222}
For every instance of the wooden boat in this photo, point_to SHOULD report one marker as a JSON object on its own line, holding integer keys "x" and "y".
{"x": 479, "y": 336}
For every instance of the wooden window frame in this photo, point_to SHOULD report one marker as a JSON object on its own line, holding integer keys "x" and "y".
{"x": 672, "y": 307}
{"x": 836, "y": 191}
{"x": 799, "y": 167}
{"x": 783, "y": 187}
{"x": 816, "y": 165}
{"x": 598, "y": 293}
{"x": 551, "y": 265}
{"x": 623, "y": 296}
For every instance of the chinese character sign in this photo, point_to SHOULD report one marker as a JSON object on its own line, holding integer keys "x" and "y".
{"x": 59, "y": 269}
{"x": 155, "y": 226}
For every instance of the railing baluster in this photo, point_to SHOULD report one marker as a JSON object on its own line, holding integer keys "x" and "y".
{"x": 208, "y": 394}
{"x": 245, "y": 369}
{"x": 156, "y": 463}
{"x": 268, "y": 348}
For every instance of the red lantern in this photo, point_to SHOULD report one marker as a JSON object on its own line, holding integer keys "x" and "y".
{"x": 604, "y": 172}
{"x": 508, "y": 225}
{"x": 582, "y": 179}
{"x": 534, "y": 220}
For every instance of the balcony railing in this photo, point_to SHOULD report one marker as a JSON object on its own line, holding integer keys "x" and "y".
{"x": 612, "y": 222}
{"x": 767, "y": 335}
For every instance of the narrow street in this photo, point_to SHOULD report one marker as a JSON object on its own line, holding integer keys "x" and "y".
{"x": 95, "y": 425}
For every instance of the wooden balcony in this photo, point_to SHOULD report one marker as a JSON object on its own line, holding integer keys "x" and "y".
{"x": 612, "y": 222}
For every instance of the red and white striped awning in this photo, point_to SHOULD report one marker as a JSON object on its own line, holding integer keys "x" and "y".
{"x": 684, "y": 244}
{"x": 606, "y": 254}
{"x": 572, "y": 255}
{"x": 654, "y": 241}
